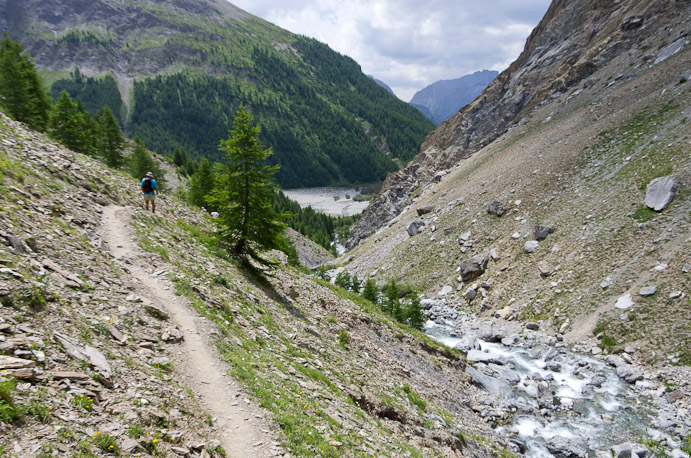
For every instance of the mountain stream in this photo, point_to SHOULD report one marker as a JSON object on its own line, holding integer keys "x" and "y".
{"x": 549, "y": 400}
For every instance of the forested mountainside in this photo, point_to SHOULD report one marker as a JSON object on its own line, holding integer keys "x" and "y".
{"x": 181, "y": 70}
{"x": 441, "y": 100}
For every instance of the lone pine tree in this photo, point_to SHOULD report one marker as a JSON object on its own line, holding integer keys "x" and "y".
{"x": 244, "y": 192}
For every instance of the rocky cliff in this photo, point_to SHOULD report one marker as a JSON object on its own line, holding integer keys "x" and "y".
{"x": 574, "y": 40}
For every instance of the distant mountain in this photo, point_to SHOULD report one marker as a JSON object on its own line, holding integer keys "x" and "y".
{"x": 441, "y": 100}
{"x": 176, "y": 71}
{"x": 382, "y": 84}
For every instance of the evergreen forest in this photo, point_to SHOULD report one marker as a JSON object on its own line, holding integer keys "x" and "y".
{"x": 345, "y": 129}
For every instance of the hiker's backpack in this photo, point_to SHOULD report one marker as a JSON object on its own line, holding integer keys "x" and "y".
{"x": 147, "y": 185}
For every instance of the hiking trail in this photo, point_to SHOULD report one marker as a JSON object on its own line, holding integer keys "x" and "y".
{"x": 239, "y": 424}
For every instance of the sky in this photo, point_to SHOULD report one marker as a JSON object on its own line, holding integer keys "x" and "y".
{"x": 410, "y": 44}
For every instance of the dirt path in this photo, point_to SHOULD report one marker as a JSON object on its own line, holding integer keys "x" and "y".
{"x": 240, "y": 425}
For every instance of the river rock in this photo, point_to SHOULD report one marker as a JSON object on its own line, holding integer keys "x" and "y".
{"x": 492, "y": 385}
{"x": 474, "y": 267}
{"x": 495, "y": 208}
{"x": 478, "y": 356}
{"x": 532, "y": 326}
{"x": 660, "y": 192}
{"x": 415, "y": 227}
{"x": 504, "y": 373}
{"x": 530, "y": 246}
{"x": 563, "y": 447}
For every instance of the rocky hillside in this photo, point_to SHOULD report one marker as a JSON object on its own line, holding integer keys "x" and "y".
{"x": 441, "y": 100}
{"x": 125, "y": 332}
{"x": 176, "y": 72}
{"x": 554, "y": 209}
{"x": 584, "y": 46}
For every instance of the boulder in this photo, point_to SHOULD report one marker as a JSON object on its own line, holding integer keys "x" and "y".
{"x": 532, "y": 326}
{"x": 660, "y": 192}
{"x": 424, "y": 210}
{"x": 504, "y": 313}
{"x": 541, "y": 232}
{"x": 495, "y": 208}
{"x": 545, "y": 269}
{"x": 624, "y": 302}
{"x": 492, "y": 385}
{"x": 474, "y": 267}
{"x": 479, "y": 356}
{"x": 415, "y": 227}
{"x": 530, "y": 246}
{"x": 648, "y": 290}
{"x": 563, "y": 447}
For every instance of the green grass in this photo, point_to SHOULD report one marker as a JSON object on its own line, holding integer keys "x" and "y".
{"x": 644, "y": 214}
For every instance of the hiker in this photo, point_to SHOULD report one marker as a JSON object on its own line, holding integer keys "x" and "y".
{"x": 149, "y": 187}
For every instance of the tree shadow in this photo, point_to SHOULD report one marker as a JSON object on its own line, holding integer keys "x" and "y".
{"x": 259, "y": 278}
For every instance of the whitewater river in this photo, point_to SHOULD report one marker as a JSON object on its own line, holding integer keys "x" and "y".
{"x": 332, "y": 201}
{"x": 557, "y": 402}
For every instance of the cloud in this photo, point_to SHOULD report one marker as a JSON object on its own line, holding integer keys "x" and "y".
{"x": 410, "y": 44}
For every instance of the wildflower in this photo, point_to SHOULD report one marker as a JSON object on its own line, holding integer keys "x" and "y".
{"x": 154, "y": 441}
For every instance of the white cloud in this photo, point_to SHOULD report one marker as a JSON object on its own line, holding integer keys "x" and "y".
{"x": 410, "y": 44}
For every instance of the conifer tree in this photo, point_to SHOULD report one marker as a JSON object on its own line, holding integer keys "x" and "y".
{"x": 244, "y": 193}
{"x": 413, "y": 313}
{"x": 370, "y": 292}
{"x": 20, "y": 87}
{"x": 141, "y": 162}
{"x": 179, "y": 157}
{"x": 109, "y": 139}
{"x": 71, "y": 125}
{"x": 202, "y": 183}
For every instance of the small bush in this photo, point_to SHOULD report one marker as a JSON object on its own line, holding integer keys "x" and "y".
{"x": 343, "y": 338}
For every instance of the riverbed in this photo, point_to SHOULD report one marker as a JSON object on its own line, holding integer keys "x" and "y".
{"x": 332, "y": 201}
{"x": 549, "y": 399}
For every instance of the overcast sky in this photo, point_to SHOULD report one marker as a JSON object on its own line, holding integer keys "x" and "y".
{"x": 409, "y": 44}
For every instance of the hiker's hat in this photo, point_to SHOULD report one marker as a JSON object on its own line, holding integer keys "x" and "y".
{"x": 149, "y": 174}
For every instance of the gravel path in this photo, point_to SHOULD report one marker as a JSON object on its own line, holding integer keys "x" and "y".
{"x": 241, "y": 429}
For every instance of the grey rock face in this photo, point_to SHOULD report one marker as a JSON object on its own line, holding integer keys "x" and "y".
{"x": 474, "y": 267}
{"x": 415, "y": 227}
{"x": 660, "y": 193}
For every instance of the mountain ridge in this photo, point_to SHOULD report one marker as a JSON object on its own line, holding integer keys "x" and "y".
{"x": 444, "y": 98}
{"x": 571, "y": 42}
{"x": 183, "y": 68}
